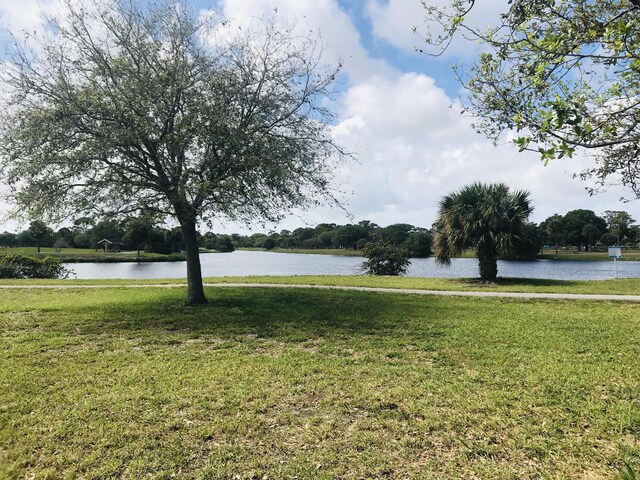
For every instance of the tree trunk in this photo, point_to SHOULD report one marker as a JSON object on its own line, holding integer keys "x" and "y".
{"x": 488, "y": 264}
{"x": 38, "y": 245}
{"x": 195, "y": 290}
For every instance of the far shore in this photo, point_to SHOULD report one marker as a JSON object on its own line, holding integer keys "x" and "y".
{"x": 572, "y": 255}
{"x": 85, "y": 255}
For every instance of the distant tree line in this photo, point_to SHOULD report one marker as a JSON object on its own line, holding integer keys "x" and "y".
{"x": 587, "y": 231}
{"x": 416, "y": 240}
{"x": 142, "y": 233}
{"x": 86, "y": 232}
{"x": 582, "y": 229}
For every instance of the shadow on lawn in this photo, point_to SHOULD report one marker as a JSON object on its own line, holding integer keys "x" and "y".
{"x": 283, "y": 313}
{"x": 522, "y": 282}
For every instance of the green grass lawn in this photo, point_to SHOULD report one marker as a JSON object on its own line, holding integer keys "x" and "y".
{"x": 622, "y": 286}
{"x": 317, "y": 251}
{"x": 80, "y": 255}
{"x": 627, "y": 255}
{"x": 277, "y": 383}
{"x": 49, "y": 250}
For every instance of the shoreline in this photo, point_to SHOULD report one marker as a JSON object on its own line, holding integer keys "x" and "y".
{"x": 130, "y": 257}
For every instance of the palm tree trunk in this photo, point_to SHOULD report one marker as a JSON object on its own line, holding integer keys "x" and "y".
{"x": 488, "y": 263}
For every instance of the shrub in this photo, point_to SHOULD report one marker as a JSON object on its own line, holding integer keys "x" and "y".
{"x": 23, "y": 266}
{"x": 383, "y": 258}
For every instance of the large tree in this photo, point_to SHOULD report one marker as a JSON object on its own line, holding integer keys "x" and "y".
{"x": 137, "y": 232}
{"x": 126, "y": 106}
{"x": 553, "y": 228}
{"x": 564, "y": 74}
{"x": 485, "y": 217}
{"x": 618, "y": 223}
{"x": 40, "y": 232}
{"x": 576, "y": 229}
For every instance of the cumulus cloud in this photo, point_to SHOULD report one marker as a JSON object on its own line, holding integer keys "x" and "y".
{"x": 21, "y": 16}
{"x": 413, "y": 145}
{"x": 325, "y": 17}
{"x": 394, "y": 21}
{"x": 402, "y": 24}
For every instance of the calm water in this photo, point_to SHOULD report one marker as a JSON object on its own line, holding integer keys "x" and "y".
{"x": 241, "y": 263}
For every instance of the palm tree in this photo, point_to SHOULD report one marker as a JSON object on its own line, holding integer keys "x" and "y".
{"x": 485, "y": 217}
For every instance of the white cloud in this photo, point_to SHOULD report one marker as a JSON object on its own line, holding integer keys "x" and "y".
{"x": 413, "y": 146}
{"x": 339, "y": 35}
{"x": 414, "y": 149}
{"x": 21, "y": 15}
{"x": 395, "y": 20}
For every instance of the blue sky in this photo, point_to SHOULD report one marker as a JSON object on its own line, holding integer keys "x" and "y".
{"x": 400, "y": 110}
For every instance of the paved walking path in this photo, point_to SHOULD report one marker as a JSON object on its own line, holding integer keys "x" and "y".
{"x": 405, "y": 291}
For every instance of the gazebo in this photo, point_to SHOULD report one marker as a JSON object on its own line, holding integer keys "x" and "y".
{"x": 109, "y": 245}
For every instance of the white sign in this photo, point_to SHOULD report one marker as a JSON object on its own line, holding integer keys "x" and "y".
{"x": 615, "y": 252}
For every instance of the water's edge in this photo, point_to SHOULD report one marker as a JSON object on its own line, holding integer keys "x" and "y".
{"x": 245, "y": 263}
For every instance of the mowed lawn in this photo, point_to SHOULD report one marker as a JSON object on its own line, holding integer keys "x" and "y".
{"x": 280, "y": 383}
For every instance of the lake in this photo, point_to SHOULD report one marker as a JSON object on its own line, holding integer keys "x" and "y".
{"x": 243, "y": 263}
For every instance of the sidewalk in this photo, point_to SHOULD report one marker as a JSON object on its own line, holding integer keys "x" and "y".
{"x": 404, "y": 291}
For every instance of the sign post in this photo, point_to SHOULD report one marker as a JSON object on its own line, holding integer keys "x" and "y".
{"x": 615, "y": 252}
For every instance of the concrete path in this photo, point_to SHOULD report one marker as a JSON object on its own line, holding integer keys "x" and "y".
{"x": 405, "y": 291}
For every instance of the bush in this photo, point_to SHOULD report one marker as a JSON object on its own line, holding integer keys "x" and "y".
{"x": 385, "y": 259}
{"x": 23, "y": 266}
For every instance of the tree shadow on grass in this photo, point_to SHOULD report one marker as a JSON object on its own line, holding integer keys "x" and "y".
{"x": 288, "y": 314}
{"x": 522, "y": 282}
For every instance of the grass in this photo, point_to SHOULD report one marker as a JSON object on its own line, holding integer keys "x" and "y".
{"x": 622, "y": 286}
{"x": 627, "y": 255}
{"x": 49, "y": 251}
{"x": 91, "y": 255}
{"x": 276, "y": 383}
{"x": 317, "y": 251}
{"x": 85, "y": 255}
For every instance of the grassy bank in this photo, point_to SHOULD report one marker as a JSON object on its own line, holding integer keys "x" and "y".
{"x": 317, "y": 251}
{"x": 627, "y": 255}
{"x": 81, "y": 255}
{"x": 87, "y": 255}
{"x": 633, "y": 255}
{"x": 315, "y": 384}
{"x": 622, "y": 286}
